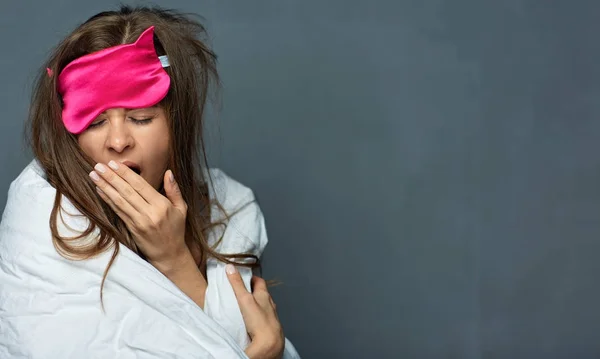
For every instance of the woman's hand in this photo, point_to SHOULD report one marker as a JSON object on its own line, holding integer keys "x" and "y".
{"x": 156, "y": 222}
{"x": 260, "y": 317}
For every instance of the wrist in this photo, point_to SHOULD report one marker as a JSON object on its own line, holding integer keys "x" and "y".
{"x": 253, "y": 351}
{"x": 180, "y": 262}
{"x": 264, "y": 349}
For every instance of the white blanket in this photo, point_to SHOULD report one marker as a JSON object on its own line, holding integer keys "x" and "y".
{"x": 50, "y": 306}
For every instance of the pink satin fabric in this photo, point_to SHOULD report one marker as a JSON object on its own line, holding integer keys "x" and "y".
{"x": 127, "y": 76}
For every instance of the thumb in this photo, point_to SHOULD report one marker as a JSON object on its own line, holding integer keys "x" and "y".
{"x": 172, "y": 191}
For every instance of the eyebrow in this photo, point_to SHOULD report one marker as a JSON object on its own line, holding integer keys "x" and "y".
{"x": 133, "y": 109}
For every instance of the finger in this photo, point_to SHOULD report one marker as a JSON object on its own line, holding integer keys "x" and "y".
{"x": 260, "y": 292}
{"x": 110, "y": 203}
{"x": 116, "y": 200}
{"x": 173, "y": 192}
{"x": 129, "y": 184}
{"x": 236, "y": 281}
{"x": 258, "y": 283}
{"x": 137, "y": 182}
{"x": 108, "y": 176}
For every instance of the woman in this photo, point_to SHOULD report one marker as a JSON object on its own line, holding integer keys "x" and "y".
{"x": 115, "y": 242}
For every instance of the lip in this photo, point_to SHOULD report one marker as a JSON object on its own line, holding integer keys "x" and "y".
{"x": 134, "y": 166}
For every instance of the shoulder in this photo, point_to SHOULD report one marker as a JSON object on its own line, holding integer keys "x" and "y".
{"x": 236, "y": 206}
{"x": 24, "y": 225}
{"x": 32, "y": 177}
{"x": 30, "y": 187}
{"x": 31, "y": 200}
{"x": 227, "y": 191}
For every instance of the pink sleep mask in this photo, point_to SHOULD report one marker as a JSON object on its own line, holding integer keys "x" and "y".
{"x": 124, "y": 76}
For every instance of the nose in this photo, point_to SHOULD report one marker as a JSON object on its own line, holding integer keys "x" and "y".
{"x": 119, "y": 138}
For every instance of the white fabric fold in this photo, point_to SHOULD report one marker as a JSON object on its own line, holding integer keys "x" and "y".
{"x": 50, "y": 305}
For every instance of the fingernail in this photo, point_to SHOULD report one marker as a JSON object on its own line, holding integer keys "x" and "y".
{"x": 171, "y": 177}
{"x": 230, "y": 269}
{"x": 94, "y": 176}
{"x": 100, "y": 168}
{"x": 112, "y": 164}
{"x": 99, "y": 190}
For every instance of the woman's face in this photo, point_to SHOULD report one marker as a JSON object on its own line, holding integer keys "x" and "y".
{"x": 137, "y": 136}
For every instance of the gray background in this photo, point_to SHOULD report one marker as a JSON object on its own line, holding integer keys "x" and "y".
{"x": 428, "y": 169}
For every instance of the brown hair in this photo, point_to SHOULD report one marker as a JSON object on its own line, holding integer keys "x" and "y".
{"x": 192, "y": 71}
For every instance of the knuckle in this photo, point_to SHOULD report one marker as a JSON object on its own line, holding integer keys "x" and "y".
{"x": 136, "y": 184}
{"x": 154, "y": 222}
{"x": 119, "y": 201}
{"x": 246, "y": 298}
{"x": 128, "y": 191}
{"x": 109, "y": 176}
{"x": 263, "y": 293}
{"x": 141, "y": 224}
{"x": 164, "y": 207}
{"x": 158, "y": 212}
{"x": 162, "y": 214}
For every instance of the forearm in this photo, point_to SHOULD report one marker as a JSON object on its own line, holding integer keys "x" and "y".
{"x": 186, "y": 275}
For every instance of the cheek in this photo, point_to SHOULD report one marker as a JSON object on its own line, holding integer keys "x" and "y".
{"x": 160, "y": 148}
{"x": 160, "y": 156}
{"x": 157, "y": 152}
{"x": 87, "y": 145}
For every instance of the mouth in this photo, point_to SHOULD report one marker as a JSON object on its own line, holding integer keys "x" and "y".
{"x": 133, "y": 166}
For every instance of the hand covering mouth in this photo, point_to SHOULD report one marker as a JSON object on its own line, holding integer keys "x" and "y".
{"x": 133, "y": 166}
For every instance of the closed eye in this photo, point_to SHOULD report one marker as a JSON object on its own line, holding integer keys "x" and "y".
{"x": 141, "y": 121}
{"x": 137, "y": 121}
{"x": 97, "y": 123}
